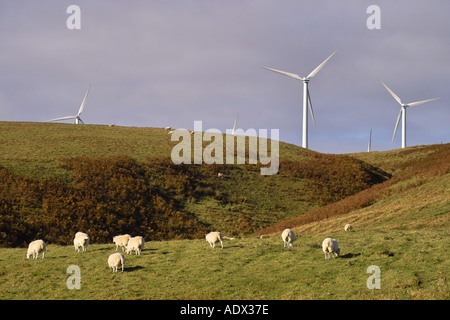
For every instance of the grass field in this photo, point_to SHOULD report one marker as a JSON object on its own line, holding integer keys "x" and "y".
{"x": 413, "y": 265}
{"x": 404, "y": 230}
{"x": 405, "y": 235}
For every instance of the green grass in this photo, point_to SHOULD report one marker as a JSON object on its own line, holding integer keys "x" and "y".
{"x": 405, "y": 232}
{"x": 413, "y": 263}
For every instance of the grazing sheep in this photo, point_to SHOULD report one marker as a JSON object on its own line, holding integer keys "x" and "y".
{"x": 214, "y": 237}
{"x": 288, "y": 237}
{"x": 136, "y": 244}
{"x": 220, "y": 175}
{"x": 121, "y": 241}
{"x": 35, "y": 247}
{"x": 81, "y": 240}
{"x": 330, "y": 246}
{"x": 116, "y": 260}
{"x": 348, "y": 227}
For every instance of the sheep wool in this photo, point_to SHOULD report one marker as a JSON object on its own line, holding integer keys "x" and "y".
{"x": 115, "y": 261}
{"x": 213, "y": 237}
{"x": 121, "y": 241}
{"x": 288, "y": 237}
{"x": 81, "y": 241}
{"x": 35, "y": 247}
{"x": 135, "y": 244}
{"x": 330, "y": 246}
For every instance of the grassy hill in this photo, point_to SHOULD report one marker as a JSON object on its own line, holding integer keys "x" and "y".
{"x": 57, "y": 178}
{"x": 400, "y": 217}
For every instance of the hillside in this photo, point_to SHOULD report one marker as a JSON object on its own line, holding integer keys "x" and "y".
{"x": 400, "y": 216}
{"x": 56, "y": 179}
{"x": 417, "y": 194}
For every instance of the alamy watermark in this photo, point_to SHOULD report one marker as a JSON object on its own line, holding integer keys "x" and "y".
{"x": 374, "y": 281}
{"x": 74, "y": 281}
{"x": 213, "y": 152}
{"x": 374, "y": 20}
{"x": 73, "y": 22}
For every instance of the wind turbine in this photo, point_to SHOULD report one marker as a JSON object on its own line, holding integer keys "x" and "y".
{"x": 402, "y": 113}
{"x": 306, "y": 96}
{"x": 235, "y": 122}
{"x": 77, "y": 117}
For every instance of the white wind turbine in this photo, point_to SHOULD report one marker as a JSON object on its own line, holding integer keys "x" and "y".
{"x": 402, "y": 113}
{"x": 235, "y": 122}
{"x": 77, "y": 117}
{"x": 306, "y": 96}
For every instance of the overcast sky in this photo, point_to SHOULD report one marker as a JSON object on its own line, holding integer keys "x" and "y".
{"x": 168, "y": 63}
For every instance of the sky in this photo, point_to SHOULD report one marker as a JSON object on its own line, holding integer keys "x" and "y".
{"x": 170, "y": 63}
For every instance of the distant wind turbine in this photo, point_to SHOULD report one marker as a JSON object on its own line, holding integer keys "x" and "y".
{"x": 77, "y": 117}
{"x": 402, "y": 113}
{"x": 306, "y": 96}
{"x": 235, "y": 122}
{"x": 370, "y": 141}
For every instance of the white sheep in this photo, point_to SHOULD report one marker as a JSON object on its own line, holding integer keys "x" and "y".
{"x": 35, "y": 247}
{"x": 136, "y": 244}
{"x": 121, "y": 241}
{"x": 214, "y": 237}
{"x": 348, "y": 227}
{"x": 330, "y": 246}
{"x": 81, "y": 240}
{"x": 288, "y": 237}
{"x": 116, "y": 260}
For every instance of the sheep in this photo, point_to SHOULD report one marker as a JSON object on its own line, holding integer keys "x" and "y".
{"x": 136, "y": 244}
{"x": 116, "y": 260}
{"x": 288, "y": 237}
{"x": 81, "y": 240}
{"x": 330, "y": 246}
{"x": 220, "y": 175}
{"x": 121, "y": 241}
{"x": 35, "y": 247}
{"x": 214, "y": 237}
{"x": 348, "y": 227}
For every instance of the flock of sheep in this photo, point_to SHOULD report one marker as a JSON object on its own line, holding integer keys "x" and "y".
{"x": 130, "y": 244}
{"x": 329, "y": 245}
{"x": 81, "y": 242}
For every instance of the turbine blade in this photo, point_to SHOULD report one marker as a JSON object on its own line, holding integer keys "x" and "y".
{"x": 310, "y": 107}
{"x": 392, "y": 93}
{"x": 235, "y": 122}
{"x": 413, "y": 104}
{"x": 396, "y": 124}
{"x": 84, "y": 101}
{"x": 292, "y": 75}
{"x": 63, "y": 118}
{"x": 81, "y": 121}
{"x": 370, "y": 141}
{"x": 320, "y": 66}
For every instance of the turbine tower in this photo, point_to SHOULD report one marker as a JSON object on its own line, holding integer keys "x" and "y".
{"x": 306, "y": 96}
{"x": 402, "y": 113}
{"x": 369, "y": 145}
{"x": 77, "y": 117}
